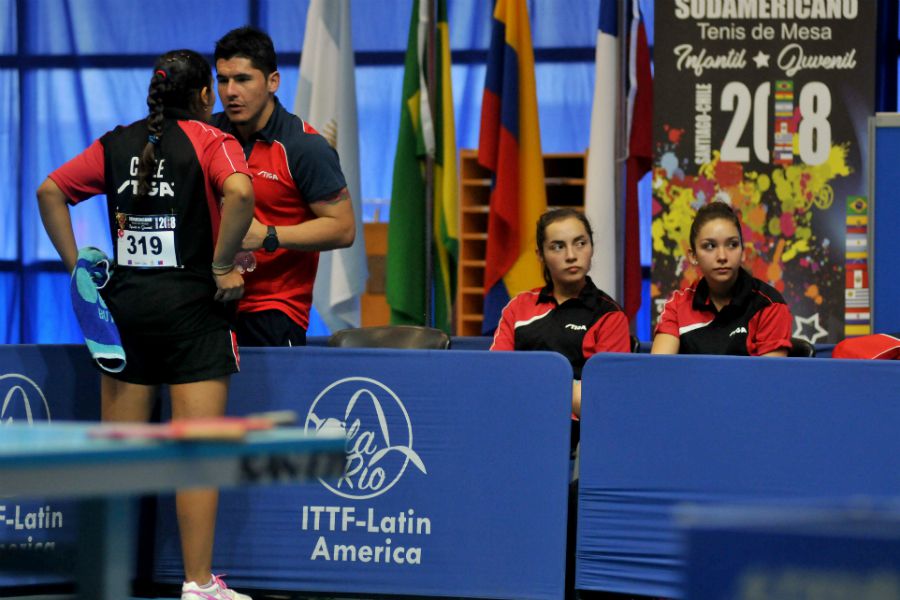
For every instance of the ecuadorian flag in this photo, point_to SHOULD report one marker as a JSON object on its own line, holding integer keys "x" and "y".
{"x": 510, "y": 147}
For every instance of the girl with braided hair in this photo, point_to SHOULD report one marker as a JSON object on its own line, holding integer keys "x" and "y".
{"x": 179, "y": 202}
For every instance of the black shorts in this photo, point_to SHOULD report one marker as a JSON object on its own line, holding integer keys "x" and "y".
{"x": 268, "y": 328}
{"x": 161, "y": 359}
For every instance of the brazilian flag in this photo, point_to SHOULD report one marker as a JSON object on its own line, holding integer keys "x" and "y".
{"x": 424, "y": 133}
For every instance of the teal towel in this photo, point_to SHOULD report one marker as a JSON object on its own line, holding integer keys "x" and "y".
{"x": 92, "y": 272}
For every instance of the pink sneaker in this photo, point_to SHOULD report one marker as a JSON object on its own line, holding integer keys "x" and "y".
{"x": 214, "y": 590}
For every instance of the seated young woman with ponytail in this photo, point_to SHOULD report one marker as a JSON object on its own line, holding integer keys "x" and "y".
{"x": 569, "y": 315}
{"x": 727, "y": 311}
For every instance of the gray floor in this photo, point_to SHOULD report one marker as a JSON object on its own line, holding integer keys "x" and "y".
{"x": 264, "y": 597}
{"x": 70, "y": 597}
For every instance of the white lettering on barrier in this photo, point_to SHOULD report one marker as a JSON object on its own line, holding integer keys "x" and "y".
{"x": 42, "y": 518}
{"x": 344, "y": 518}
{"x": 385, "y": 553}
{"x": 16, "y": 518}
{"x": 341, "y": 519}
{"x": 29, "y": 544}
{"x": 379, "y": 447}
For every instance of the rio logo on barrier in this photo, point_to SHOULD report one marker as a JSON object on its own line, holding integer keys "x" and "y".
{"x": 22, "y": 400}
{"x": 379, "y": 435}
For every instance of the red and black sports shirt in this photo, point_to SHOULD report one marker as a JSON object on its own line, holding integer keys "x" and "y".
{"x": 756, "y": 322}
{"x": 578, "y": 328}
{"x": 293, "y": 167}
{"x": 193, "y": 161}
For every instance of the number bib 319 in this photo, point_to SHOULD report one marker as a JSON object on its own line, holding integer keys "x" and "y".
{"x": 147, "y": 241}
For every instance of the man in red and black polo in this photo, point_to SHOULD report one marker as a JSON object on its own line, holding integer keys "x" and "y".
{"x": 302, "y": 202}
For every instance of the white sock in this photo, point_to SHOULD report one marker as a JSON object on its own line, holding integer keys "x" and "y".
{"x": 210, "y": 585}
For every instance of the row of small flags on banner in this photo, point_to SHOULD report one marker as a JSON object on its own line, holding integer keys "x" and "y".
{"x": 857, "y": 311}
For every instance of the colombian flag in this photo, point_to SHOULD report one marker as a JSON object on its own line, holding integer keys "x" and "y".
{"x": 510, "y": 147}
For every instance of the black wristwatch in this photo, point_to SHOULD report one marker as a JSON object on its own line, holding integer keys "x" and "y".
{"x": 270, "y": 243}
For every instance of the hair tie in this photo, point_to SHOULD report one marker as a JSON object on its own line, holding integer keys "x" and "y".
{"x": 153, "y": 139}
{"x": 162, "y": 73}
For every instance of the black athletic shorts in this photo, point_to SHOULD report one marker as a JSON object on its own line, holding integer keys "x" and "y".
{"x": 155, "y": 360}
{"x": 268, "y": 328}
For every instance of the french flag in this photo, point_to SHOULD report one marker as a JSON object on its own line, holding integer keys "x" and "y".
{"x": 601, "y": 198}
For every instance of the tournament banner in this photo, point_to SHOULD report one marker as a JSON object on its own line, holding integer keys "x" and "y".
{"x": 456, "y": 481}
{"x": 763, "y": 104}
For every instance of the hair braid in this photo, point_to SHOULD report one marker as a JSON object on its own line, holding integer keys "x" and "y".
{"x": 178, "y": 78}
{"x": 147, "y": 163}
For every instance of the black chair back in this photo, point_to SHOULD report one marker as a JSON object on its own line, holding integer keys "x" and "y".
{"x": 391, "y": 336}
{"x": 635, "y": 344}
{"x": 801, "y": 348}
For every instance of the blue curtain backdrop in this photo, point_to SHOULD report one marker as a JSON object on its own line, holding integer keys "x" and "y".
{"x": 70, "y": 70}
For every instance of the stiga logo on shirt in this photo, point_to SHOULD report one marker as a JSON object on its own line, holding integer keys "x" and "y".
{"x": 575, "y": 327}
{"x": 738, "y": 331}
{"x": 379, "y": 435}
{"x": 267, "y": 175}
{"x": 22, "y": 400}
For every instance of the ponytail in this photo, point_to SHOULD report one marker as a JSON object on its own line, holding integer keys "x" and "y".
{"x": 159, "y": 85}
{"x": 178, "y": 78}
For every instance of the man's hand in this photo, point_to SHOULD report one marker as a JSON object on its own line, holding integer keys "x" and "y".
{"x": 255, "y": 235}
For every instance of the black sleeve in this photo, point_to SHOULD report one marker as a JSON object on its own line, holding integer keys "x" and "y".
{"x": 316, "y": 168}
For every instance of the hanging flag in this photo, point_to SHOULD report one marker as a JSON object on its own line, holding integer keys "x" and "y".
{"x": 424, "y": 134}
{"x": 326, "y": 98}
{"x": 510, "y": 147}
{"x": 600, "y": 202}
{"x": 446, "y": 188}
{"x": 640, "y": 154}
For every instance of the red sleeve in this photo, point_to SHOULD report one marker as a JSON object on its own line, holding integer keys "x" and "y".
{"x": 668, "y": 320}
{"x": 222, "y": 158}
{"x": 878, "y": 345}
{"x": 219, "y": 153}
{"x": 505, "y": 335}
{"x": 226, "y": 158}
{"x": 771, "y": 330}
{"x": 609, "y": 334}
{"x": 83, "y": 176}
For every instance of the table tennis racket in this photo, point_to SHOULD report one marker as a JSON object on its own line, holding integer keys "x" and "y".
{"x": 211, "y": 428}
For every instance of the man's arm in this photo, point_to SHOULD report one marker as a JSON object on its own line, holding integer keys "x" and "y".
{"x": 333, "y": 227}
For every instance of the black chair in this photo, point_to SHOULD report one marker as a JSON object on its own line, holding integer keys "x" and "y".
{"x": 635, "y": 344}
{"x": 391, "y": 336}
{"x": 801, "y": 348}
